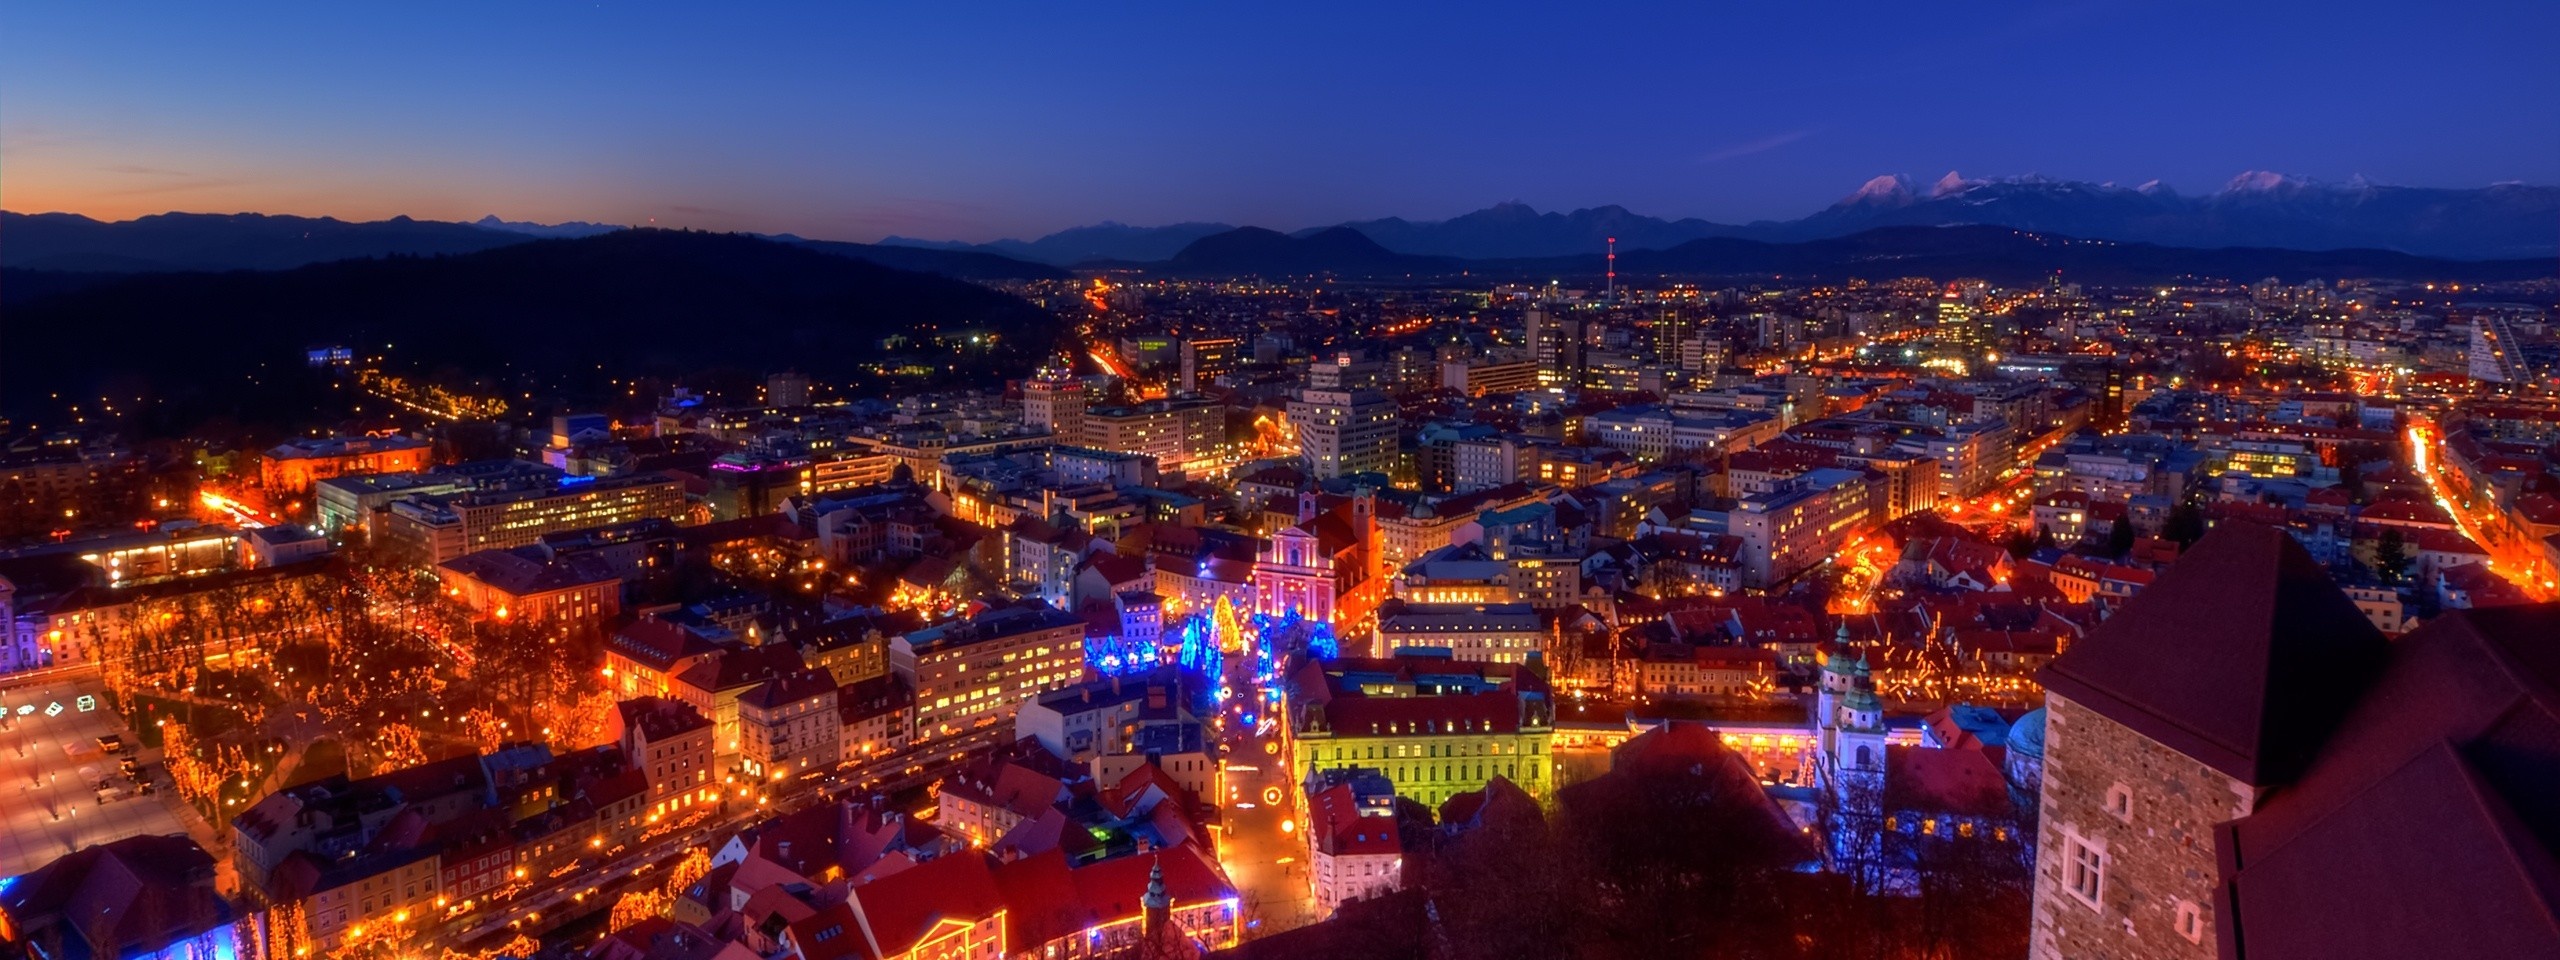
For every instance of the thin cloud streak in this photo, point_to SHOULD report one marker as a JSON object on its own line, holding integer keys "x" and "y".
{"x": 1762, "y": 145}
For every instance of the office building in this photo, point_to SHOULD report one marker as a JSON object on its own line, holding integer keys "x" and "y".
{"x": 970, "y": 673}
{"x": 1341, "y": 433}
{"x": 1800, "y": 522}
{"x": 437, "y": 528}
{"x": 1204, "y": 360}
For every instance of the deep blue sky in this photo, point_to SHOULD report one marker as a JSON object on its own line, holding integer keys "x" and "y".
{"x": 854, "y": 120}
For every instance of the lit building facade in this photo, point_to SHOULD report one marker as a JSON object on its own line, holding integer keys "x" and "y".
{"x": 1343, "y": 432}
{"x": 1470, "y": 632}
{"x": 1054, "y": 404}
{"x": 292, "y": 468}
{"x": 789, "y": 725}
{"x": 1788, "y": 530}
{"x": 969, "y": 674}
{"x": 1436, "y": 727}
{"x": 439, "y": 528}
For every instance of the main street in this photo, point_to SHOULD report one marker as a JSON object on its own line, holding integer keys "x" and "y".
{"x": 1263, "y": 850}
{"x": 2508, "y": 559}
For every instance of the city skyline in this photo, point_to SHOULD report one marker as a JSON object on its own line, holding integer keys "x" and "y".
{"x": 1411, "y": 482}
{"x": 827, "y": 125}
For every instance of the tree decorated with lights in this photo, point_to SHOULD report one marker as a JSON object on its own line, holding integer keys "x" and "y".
{"x": 1227, "y": 626}
{"x": 520, "y": 947}
{"x": 397, "y": 745}
{"x": 695, "y": 865}
{"x": 635, "y": 906}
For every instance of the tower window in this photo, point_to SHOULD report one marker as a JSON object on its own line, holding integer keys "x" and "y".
{"x": 2190, "y": 922}
{"x": 2120, "y": 802}
{"x": 2084, "y": 869}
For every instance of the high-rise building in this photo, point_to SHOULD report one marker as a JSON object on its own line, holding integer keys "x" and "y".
{"x": 1556, "y": 339}
{"x": 1672, "y": 334}
{"x": 1054, "y": 402}
{"x": 1343, "y": 432}
{"x": 1483, "y": 463}
{"x": 1537, "y": 329}
{"x": 1204, "y": 360}
{"x": 786, "y": 389}
{"x": 1178, "y": 432}
{"x": 1704, "y": 352}
{"x": 1790, "y": 529}
{"x": 1345, "y": 372}
{"x": 1956, "y": 315}
{"x": 2493, "y": 353}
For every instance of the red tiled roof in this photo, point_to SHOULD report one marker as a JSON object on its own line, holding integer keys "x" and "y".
{"x": 1111, "y": 890}
{"x": 1041, "y": 903}
{"x": 832, "y": 933}
{"x": 1335, "y": 823}
{"x": 2405, "y": 511}
{"x": 1497, "y": 712}
{"x": 1962, "y": 782}
{"x": 903, "y": 908}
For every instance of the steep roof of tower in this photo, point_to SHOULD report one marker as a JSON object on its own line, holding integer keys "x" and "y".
{"x": 2244, "y": 655}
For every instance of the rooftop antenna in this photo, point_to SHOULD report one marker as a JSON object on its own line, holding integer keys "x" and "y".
{"x": 1610, "y": 291}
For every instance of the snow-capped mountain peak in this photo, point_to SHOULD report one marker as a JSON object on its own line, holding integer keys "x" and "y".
{"x": 1892, "y": 189}
{"x": 1953, "y": 183}
{"x": 2267, "y": 181}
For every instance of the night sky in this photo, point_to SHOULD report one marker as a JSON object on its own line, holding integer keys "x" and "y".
{"x": 855, "y": 120}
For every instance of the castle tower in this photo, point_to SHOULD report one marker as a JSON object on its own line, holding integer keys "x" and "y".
{"x": 2179, "y": 713}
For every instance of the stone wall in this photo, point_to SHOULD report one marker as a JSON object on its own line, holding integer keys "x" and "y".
{"x": 2155, "y": 899}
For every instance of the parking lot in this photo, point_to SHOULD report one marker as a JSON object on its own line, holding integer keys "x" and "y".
{"x": 50, "y": 765}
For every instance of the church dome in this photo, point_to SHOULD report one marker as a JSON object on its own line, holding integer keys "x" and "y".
{"x": 2027, "y": 735}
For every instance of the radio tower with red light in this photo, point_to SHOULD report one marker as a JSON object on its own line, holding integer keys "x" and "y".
{"x": 1610, "y": 289}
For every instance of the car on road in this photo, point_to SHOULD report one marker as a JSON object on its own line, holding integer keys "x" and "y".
{"x": 111, "y": 743}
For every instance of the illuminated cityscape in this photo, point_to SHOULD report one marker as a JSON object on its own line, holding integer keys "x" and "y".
{"x": 1968, "y": 569}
